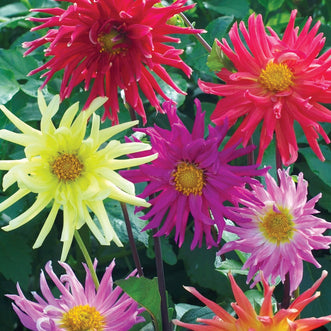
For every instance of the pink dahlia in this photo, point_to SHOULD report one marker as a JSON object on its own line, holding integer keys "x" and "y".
{"x": 78, "y": 307}
{"x": 191, "y": 176}
{"x": 278, "y": 81}
{"x": 282, "y": 232}
{"x": 248, "y": 320}
{"x": 111, "y": 44}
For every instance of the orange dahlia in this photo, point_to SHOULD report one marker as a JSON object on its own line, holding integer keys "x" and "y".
{"x": 111, "y": 45}
{"x": 248, "y": 320}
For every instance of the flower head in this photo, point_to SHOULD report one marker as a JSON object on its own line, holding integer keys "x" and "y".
{"x": 282, "y": 233}
{"x": 79, "y": 307}
{"x": 248, "y": 320}
{"x": 111, "y": 45}
{"x": 67, "y": 170}
{"x": 191, "y": 176}
{"x": 278, "y": 81}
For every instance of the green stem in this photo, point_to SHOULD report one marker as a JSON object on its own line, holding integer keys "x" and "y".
{"x": 87, "y": 258}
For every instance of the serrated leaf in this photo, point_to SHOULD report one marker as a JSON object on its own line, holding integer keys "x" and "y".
{"x": 146, "y": 293}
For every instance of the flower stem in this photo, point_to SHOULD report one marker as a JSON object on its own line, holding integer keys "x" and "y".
{"x": 131, "y": 240}
{"x": 87, "y": 259}
{"x": 166, "y": 326}
{"x": 201, "y": 40}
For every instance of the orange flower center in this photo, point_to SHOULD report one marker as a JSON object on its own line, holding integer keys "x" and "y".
{"x": 277, "y": 227}
{"x": 276, "y": 77}
{"x": 110, "y": 43}
{"x": 188, "y": 178}
{"x": 67, "y": 167}
{"x": 82, "y": 318}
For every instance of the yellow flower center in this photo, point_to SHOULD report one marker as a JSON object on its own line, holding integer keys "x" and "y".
{"x": 67, "y": 167}
{"x": 109, "y": 42}
{"x": 277, "y": 227}
{"x": 188, "y": 178}
{"x": 276, "y": 77}
{"x": 82, "y": 318}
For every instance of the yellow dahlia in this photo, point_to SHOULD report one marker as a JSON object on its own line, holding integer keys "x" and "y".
{"x": 70, "y": 171}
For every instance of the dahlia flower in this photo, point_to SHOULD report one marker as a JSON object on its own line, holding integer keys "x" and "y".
{"x": 68, "y": 171}
{"x": 78, "y": 307}
{"x": 248, "y": 320}
{"x": 191, "y": 176}
{"x": 278, "y": 81}
{"x": 111, "y": 44}
{"x": 282, "y": 233}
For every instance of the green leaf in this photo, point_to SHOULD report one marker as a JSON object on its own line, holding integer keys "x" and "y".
{"x": 230, "y": 265}
{"x": 199, "y": 265}
{"x": 8, "y": 86}
{"x": 146, "y": 293}
{"x": 256, "y": 299}
{"x": 13, "y": 60}
{"x": 116, "y": 217}
{"x": 319, "y": 168}
{"x": 217, "y": 59}
{"x": 191, "y": 315}
{"x": 238, "y": 8}
{"x": 322, "y": 305}
{"x": 16, "y": 259}
{"x": 271, "y": 5}
{"x": 12, "y": 9}
{"x": 168, "y": 254}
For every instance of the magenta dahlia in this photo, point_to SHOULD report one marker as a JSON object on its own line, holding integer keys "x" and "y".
{"x": 78, "y": 307}
{"x": 111, "y": 45}
{"x": 191, "y": 176}
{"x": 277, "y": 81}
{"x": 280, "y": 234}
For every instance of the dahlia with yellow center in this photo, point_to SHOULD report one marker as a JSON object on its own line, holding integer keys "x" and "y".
{"x": 192, "y": 176}
{"x": 112, "y": 46}
{"x": 66, "y": 169}
{"x": 277, "y": 81}
{"x": 280, "y": 234}
{"x": 78, "y": 308}
{"x": 265, "y": 320}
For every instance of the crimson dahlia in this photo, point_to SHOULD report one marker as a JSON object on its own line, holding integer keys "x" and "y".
{"x": 111, "y": 45}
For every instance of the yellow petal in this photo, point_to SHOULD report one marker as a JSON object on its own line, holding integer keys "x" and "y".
{"x": 69, "y": 115}
{"x": 27, "y": 129}
{"x": 121, "y": 164}
{"x": 13, "y": 198}
{"x": 47, "y": 225}
{"x": 99, "y": 210}
{"x": 40, "y": 203}
{"x": 8, "y": 164}
{"x": 106, "y": 134}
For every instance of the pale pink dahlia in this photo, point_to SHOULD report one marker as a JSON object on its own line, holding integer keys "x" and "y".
{"x": 191, "y": 176}
{"x": 282, "y": 233}
{"x": 248, "y": 320}
{"x": 78, "y": 307}
{"x": 277, "y": 81}
{"x": 111, "y": 45}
